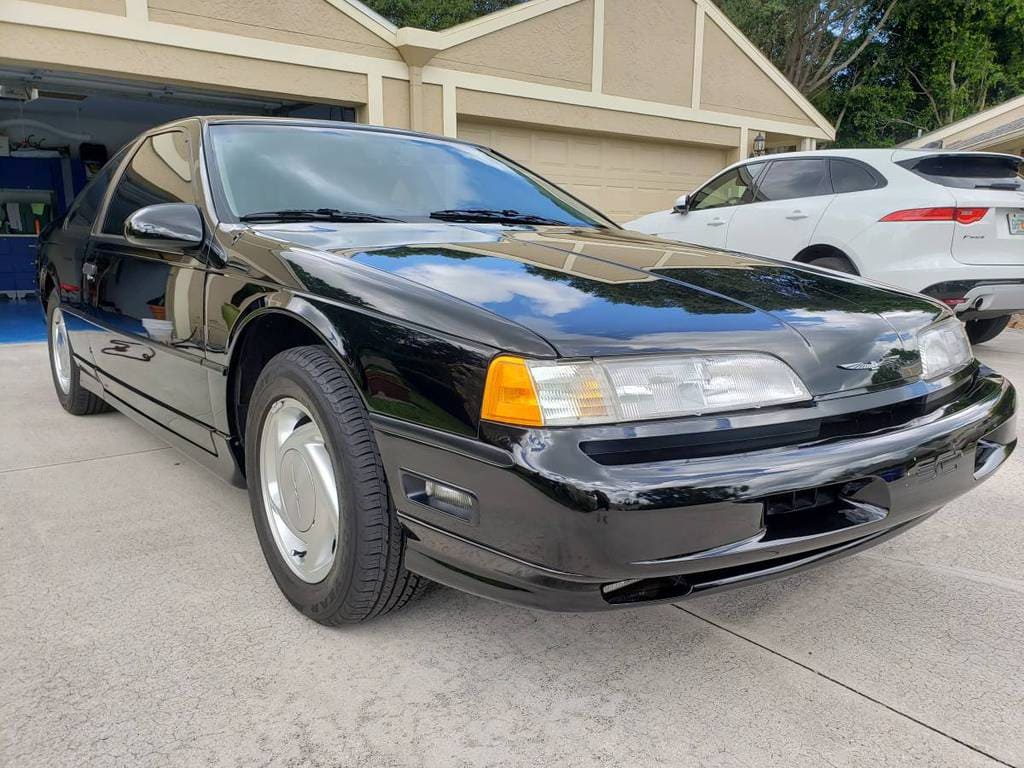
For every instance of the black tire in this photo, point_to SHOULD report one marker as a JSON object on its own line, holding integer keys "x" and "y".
{"x": 77, "y": 400}
{"x": 835, "y": 263}
{"x": 980, "y": 331}
{"x": 367, "y": 578}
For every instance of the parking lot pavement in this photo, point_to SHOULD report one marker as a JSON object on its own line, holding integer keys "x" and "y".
{"x": 139, "y": 626}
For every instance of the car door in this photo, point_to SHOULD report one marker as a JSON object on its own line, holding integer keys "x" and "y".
{"x": 146, "y": 302}
{"x": 711, "y": 208}
{"x": 789, "y": 201}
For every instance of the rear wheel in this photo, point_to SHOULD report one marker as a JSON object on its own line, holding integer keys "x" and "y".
{"x": 980, "y": 331}
{"x": 318, "y": 493}
{"x": 835, "y": 263}
{"x": 75, "y": 398}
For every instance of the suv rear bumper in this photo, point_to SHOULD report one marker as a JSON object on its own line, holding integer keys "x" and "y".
{"x": 979, "y": 299}
{"x": 553, "y": 528}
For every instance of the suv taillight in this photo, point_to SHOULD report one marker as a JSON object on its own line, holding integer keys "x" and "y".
{"x": 959, "y": 215}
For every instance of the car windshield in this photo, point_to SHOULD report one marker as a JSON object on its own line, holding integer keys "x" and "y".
{"x": 261, "y": 170}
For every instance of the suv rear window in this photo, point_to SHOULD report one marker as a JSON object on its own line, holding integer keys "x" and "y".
{"x": 968, "y": 171}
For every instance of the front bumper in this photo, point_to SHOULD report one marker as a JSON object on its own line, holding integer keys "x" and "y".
{"x": 555, "y": 527}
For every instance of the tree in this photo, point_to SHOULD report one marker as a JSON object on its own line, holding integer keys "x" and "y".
{"x": 811, "y": 41}
{"x": 884, "y": 70}
{"x": 436, "y": 14}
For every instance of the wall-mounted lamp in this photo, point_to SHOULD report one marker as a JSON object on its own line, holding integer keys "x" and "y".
{"x": 759, "y": 142}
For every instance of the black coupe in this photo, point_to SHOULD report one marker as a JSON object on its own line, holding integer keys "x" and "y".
{"x": 426, "y": 361}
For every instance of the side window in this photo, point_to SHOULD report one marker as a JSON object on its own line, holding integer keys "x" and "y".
{"x": 83, "y": 211}
{"x": 848, "y": 176}
{"x": 786, "y": 179}
{"x": 159, "y": 172}
{"x": 732, "y": 188}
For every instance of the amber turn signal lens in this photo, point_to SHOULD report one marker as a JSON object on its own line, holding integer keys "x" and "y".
{"x": 509, "y": 394}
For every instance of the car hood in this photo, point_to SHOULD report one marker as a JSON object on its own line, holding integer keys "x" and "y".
{"x": 591, "y": 292}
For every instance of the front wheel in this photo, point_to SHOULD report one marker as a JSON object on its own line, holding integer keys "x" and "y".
{"x": 980, "y": 331}
{"x": 318, "y": 493}
{"x": 74, "y": 398}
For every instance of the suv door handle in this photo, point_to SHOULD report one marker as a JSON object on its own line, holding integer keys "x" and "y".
{"x": 797, "y": 215}
{"x": 89, "y": 270}
{"x": 716, "y": 222}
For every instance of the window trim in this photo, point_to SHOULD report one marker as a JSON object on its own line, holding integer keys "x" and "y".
{"x": 220, "y": 211}
{"x": 97, "y": 228}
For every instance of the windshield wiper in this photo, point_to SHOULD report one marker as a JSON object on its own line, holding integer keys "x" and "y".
{"x": 1011, "y": 185}
{"x": 314, "y": 214}
{"x": 490, "y": 215}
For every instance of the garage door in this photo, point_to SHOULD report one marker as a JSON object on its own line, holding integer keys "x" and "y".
{"x": 623, "y": 178}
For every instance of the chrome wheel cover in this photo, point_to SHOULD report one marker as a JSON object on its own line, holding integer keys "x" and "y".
{"x": 300, "y": 491}
{"x": 61, "y": 351}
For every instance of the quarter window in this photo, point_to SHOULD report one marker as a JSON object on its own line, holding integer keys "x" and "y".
{"x": 848, "y": 176}
{"x": 87, "y": 205}
{"x": 786, "y": 179}
{"x": 160, "y": 172}
{"x": 732, "y": 188}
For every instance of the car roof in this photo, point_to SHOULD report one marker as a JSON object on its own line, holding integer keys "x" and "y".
{"x": 885, "y": 155}
{"x": 304, "y": 123}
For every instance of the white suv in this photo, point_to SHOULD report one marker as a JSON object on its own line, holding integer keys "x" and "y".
{"x": 947, "y": 224}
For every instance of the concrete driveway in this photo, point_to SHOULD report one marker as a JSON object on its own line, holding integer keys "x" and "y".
{"x": 139, "y": 626}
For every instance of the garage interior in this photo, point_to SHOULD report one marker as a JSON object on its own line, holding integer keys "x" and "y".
{"x": 56, "y": 131}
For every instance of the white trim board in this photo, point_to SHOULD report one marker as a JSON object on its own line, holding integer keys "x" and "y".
{"x": 106, "y": 25}
{"x": 506, "y": 87}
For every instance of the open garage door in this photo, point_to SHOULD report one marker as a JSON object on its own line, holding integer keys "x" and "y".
{"x": 58, "y": 128}
{"x": 622, "y": 178}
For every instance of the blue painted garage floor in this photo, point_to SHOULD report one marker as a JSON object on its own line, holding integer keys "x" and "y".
{"x": 21, "y": 321}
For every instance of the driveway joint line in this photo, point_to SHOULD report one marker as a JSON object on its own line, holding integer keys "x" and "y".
{"x": 848, "y": 687}
{"x": 82, "y": 461}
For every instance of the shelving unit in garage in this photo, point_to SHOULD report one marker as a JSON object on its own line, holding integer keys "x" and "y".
{"x": 33, "y": 192}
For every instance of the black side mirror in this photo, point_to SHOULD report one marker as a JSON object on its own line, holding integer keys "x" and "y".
{"x": 682, "y": 204}
{"x": 167, "y": 225}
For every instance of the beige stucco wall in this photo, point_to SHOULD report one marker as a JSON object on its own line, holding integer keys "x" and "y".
{"x": 433, "y": 109}
{"x": 396, "y": 103}
{"x": 648, "y": 50}
{"x": 145, "y": 61}
{"x": 516, "y": 109}
{"x": 731, "y": 82}
{"x": 103, "y": 6}
{"x": 555, "y": 48}
{"x": 315, "y": 23}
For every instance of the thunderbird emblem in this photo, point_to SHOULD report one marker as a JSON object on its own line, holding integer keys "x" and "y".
{"x": 874, "y": 365}
{"x": 897, "y": 363}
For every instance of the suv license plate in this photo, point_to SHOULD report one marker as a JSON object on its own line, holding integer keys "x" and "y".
{"x": 1016, "y": 223}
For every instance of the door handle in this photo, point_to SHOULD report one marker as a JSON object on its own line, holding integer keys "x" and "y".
{"x": 797, "y": 215}
{"x": 716, "y": 222}
{"x": 89, "y": 270}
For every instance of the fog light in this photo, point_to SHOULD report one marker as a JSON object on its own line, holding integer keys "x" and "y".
{"x": 440, "y": 496}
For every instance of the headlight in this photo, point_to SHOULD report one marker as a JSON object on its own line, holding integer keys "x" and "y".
{"x": 944, "y": 348}
{"x": 550, "y": 393}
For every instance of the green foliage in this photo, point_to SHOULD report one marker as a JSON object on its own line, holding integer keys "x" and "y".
{"x": 931, "y": 63}
{"x": 435, "y": 14}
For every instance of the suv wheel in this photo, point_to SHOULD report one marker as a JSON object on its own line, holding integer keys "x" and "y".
{"x": 980, "y": 331}
{"x": 318, "y": 493}
{"x": 75, "y": 398}
{"x": 835, "y": 263}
